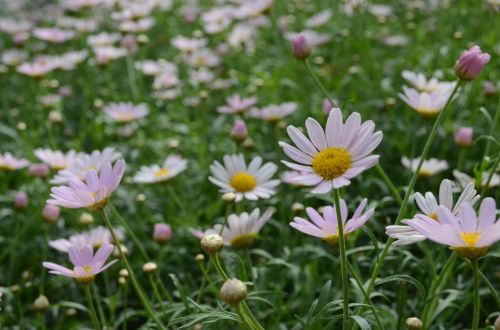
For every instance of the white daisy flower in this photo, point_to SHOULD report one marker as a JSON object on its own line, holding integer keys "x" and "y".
{"x": 55, "y": 158}
{"x": 425, "y": 103}
{"x": 250, "y": 181}
{"x": 428, "y": 204}
{"x": 330, "y": 159}
{"x": 420, "y": 82}
{"x": 171, "y": 167}
{"x": 429, "y": 167}
{"x": 125, "y": 112}
{"x": 464, "y": 179}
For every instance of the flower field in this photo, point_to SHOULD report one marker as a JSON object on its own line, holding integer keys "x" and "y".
{"x": 238, "y": 164}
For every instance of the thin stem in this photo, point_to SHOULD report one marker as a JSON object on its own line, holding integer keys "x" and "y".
{"x": 131, "y": 233}
{"x": 215, "y": 262}
{"x": 490, "y": 177}
{"x": 413, "y": 181}
{"x": 492, "y": 130}
{"x": 477, "y": 302}
{"x": 389, "y": 184}
{"x": 317, "y": 82}
{"x": 228, "y": 211}
{"x": 343, "y": 260}
{"x": 93, "y": 314}
{"x": 156, "y": 292}
{"x": 135, "y": 284}
{"x": 490, "y": 286}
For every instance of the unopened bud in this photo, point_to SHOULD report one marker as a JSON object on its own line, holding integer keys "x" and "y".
{"x": 51, "y": 213}
{"x": 199, "y": 258}
{"x": 212, "y": 243}
{"x": 39, "y": 170}
{"x": 162, "y": 233}
{"x": 123, "y": 272}
{"x": 55, "y": 117}
{"x": 71, "y": 312}
{"x": 414, "y": 323}
{"x": 233, "y": 291}
{"x": 41, "y": 303}
{"x": 300, "y": 47}
{"x": 471, "y": 63}
{"x": 86, "y": 219}
{"x": 229, "y": 197}
{"x": 123, "y": 248}
{"x": 21, "y": 200}
{"x": 149, "y": 267}
{"x": 297, "y": 207}
{"x": 239, "y": 132}
{"x": 463, "y": 136}
{"x": 122, "y": 280}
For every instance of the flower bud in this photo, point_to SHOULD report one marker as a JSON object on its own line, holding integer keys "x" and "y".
{"x": 86, "y": 219}
{"x": 21, "y": 200}
{"x": 41, "y": 304}
{"x": 71, "y": 312}
{"x": 149, "y": 267}
{"x": 39, "y": 170}
{"x": 297, "y": 207}
{"x": 471, "y": 63}
{"x": 489, "y": 88}
{"x": 328, "y": 106}
{"x": 229, "y": 197}
{"x": 497, "y": 323}
{"x": 162, "y": 233}
{"x": 463, "y": 136}
{"x": 123, "y": 272}
{"x": 199, "y": 258}
{"x": 55, "y": 117}
{"x": 212, "y": 243}
{"x": 51, "y": 213}
{"x": 414, "y": 323}
{"x": 122, "y": 280}
{"x": 300, "y": 47}
{"x": 233, "y": 291}
{"x": 239, "y": 132}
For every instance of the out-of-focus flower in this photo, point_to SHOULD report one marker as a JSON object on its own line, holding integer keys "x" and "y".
{"x": 471, "y": 63}
{"x": 463, "y": 136}
{"x": 54, "y": 35}
{"x": 464, "y": 179}
{"x": 420, "y": 82}
{"x": 21, "y": 200}
{"x": 314, "y": 39}
{"x": 39, "y": 170}
{"x": 162, "y": 233}
{"x": 10, "y": 163}
{"x": 153, "y": 68}
{"x": 318, "y": 20}
{"x": 300, "y": 47}
{"x": 236, "y": 104}
{"x": 489, "y": 88}
{"x": 38, "y": 68}
{"x": 13, "y": 57}
{"x": 251, "y": 182}
{"x": 330, "y": 159}
{"x": 105, "y": 54}
{"x": 137, "y": 26}
{"x": 203, "y": 58}
{"x": 86, "y": 265}
{"x": 217, "y": 19}
{"x": 96, "y": 237}
{"x": 56, "y": 159}
{"x": 428, "y": 205}
{"x": 103, "y": 39}
{"x": 274, "y": 112}
{"x": 50, "y": 213}
{"x": 172, "y": 166}
{"x": 187, "y": 45}
{"x": 126, "y": 112}
{"x": 94, "y": 192}
{"x": 468, "y": 234}
{"x": 426, "y": 104}
{"x": 429, "y": 167}
{"x": 328, "y": 106}
{"x": 325, "y": 227}
{"x": 239, "y": 132}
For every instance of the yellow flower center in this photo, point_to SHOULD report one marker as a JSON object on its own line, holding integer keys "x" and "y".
{"x": 332, "y": 239}
{"x": 243, "y": 241}
{"x": 470, "y": 238}
{"x": 243, "y": 182}
{"x": 425, "y": 173}
{"x": 86, "y": 278}
{"x": 471, "y": 251}
{"x": 8, "y": 167}
{"x": 330, "y": 163}
{"x": 433, "y": 216}
{"x": 123, "y": 117}
{"x": 161, "y": 172}
{"x": 97, "y": 245}
{"x": 427, "y": 113}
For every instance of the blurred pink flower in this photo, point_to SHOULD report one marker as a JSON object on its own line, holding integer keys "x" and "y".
{"x": 471, "y": 63}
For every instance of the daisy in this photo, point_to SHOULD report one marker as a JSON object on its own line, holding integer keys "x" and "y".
{"x": 10, "y": 163}
{"x": 37, "y": 68}
{"x": 54, "y": 35}
{"x": 330, "y": 159}
{"x": 96, "y": 237}
{"x": 241, "y": 229}
{"x": 313, "y": 38}
{"x": 86, "y": 162}
{"x": 172, "y": 166}
{"x": 426, "y": 104}
{"x": 251, "y": 182}
{"x": 125, "y": 112}
{"x": 468, "y": 234}
{"x": 464, "y": 179}
{"x": 421, "y": 83}
{"x": 103, "y": 39}
{"x": 428, "y": 205}
{"x": 153, "y": 68}
{"x": 274, "y": 112}
{"x": 203, "y": 58}
{"x": 325, "y": 226}
{"x": 86, "y": 265}
{"x": 105, "y": 54}
{"x": 320, "y": 19}
{"x": 236, "y": 104}
{"x": 13, "y": 57}
{"x": 56, "y": 159}
{"x": 187, "y": 45}
{"x": 93, "y": 193}
{"x": 429, "y": 167}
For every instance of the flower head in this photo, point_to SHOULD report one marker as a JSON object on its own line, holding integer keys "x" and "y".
{"x": 422, "y": 84}
{"x": 471, "y": 63}
{"x": 172, "y": 166}
{"x": 425, "y": 103}
{"x": 250, "y": 181}
{"x": 468, "y": 234}
{"x": 86, "y": 265}
{"x": 325, "y": 226}
{"x": 236, "y": 104}
{"x": 464, "y": 136}
{"x": 56, "y": 159}
{"x": 95, "y": 237}
{"x": 10, "y": 163}
{"x": 429, "y": 167}
{"x": 330, "y": 159}
{"x": 300, "y": 47}
{"x": 94, "y": 192}
{"x": 274, "y": 112}
{"x": 126, "y": 112}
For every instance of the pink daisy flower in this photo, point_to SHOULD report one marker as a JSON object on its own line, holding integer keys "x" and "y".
{"x": 330, "y": 159}
{"x": 236, "y": 104}
{"x": 10, "y": 163}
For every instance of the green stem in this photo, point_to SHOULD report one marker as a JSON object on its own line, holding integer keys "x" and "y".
{"x": 317, "y": 82}
{"x": 477, "y": 302}
{"x": 413, "y": 181}
{"x": 389, "y": 184}
{"x": 228, "y": 211}
{"x": 135, "y": 284}
{"x": 93, "y": 314}
{"x": 131, "y": 233}
{"x": 343, "y": 260}
{"x": 492, "y": 130}
{"x": 157, "y": 293}
{"x": 490, "y": 286}
{"x": 490, "y": 177}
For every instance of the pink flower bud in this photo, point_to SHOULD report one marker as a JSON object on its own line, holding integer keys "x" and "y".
{"x": 463, "y": 136}
{"x": 39, "y": 170}
{"x": 471, "y": 63}
{"x": 51, "y": 213}
{"x": 328, "y": 106}
{"x": 162, "y": 233}
{"x": 300, "y": 47}
{"x": 239, "y": 132}
{"x": 489, "y": 88}
{"x": 21, "y": 200}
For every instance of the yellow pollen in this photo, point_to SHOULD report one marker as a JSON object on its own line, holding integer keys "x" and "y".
{"x": 470, "y": 251}
{"x": 330, "y": 163}
{"x": 124, "y": 117}
{"x": 332, "y": 239}
{"x": 161, "y": 172}
{"x": 86, "y": 278}
{"x": 427, "y": 113}
{"x": 86, "y": 269}
{"x": 470, "y": 238}
{"x": 243, "y": 241}
{"x": 98, "y": 244}
{"x": 243, "y": 182}
{"x": 433, "y": 216}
